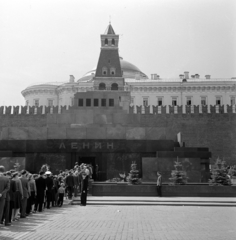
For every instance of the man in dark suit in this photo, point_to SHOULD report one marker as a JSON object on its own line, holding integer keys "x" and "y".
{"x": 84, "y": 187}
{"x": 41, "y": 187}
{"x": 26, "y": 193}
{"x": 49, "y": 186}
{"x": 9, "y": 195}
{"x": 70, "y": 184}
{"x": 4, "y": 188}
{"x": 76, "y": 183}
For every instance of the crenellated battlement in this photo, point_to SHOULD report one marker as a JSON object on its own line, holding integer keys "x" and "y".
{"x": 193, "y": 109}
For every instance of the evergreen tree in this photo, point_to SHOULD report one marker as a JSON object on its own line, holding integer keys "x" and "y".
{"x": 219, "y": 173}
{"x": 178, "y": 176}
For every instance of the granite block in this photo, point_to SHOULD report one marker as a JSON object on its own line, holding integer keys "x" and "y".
{"x": 96, "y": 133}
{"x": 117, "y": 132}
{"x": 136, "y": 133}
{"x": 102, "y": 119}
{"x": 33, "y": 146}
{"x": 17, "y": 133}
{"x": 4, "y": 145}
{"x": 66, "y": 118}
{"x": 52, "y": 118}
{"x": 76, "y": 133}
{"x": 4, "y": 133}
{"x": 155, "y": 133}
{"x": 84, "y": 117}
{"x": 39, "y": 133}
{"x": 122, "y": 118}
{"x": 149, "y": 166}
{"x": 56, "y": 133}
{"x": 17, "y": 146}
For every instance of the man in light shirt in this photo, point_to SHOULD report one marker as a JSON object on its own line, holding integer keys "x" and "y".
{"x": 159, "y": 184}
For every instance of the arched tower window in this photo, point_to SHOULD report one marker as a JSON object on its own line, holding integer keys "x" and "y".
{"x": 112, "y": 71}
{"x": 102, "y": 86}
{"x": 104, "y": 71}
{"x": 114, "y": 86}
{"x": 106, "y": 41}
{"x": 113, "y": 42}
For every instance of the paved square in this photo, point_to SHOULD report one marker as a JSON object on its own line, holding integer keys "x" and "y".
{"x": 126, "y": 222}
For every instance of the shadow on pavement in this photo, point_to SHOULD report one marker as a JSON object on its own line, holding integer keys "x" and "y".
{"x": 29, "y": 224}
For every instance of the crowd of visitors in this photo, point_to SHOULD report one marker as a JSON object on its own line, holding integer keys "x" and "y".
{"x": 23, "y": 193}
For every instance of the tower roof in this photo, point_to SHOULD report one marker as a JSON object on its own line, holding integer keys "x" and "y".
{"x": 109, "y": 30}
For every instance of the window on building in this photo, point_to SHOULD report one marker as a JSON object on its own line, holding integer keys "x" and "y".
{"x": 145, "y": 102}
{"x": 113, "y": 42}
{"x": 111, "y": 103}
{"x": 189, "y": 101}
{"x": 36, "y": 102}
{"x": 103, "y": 103}
{"x": 203, "y": 101}
{"x": 174, "y": 101}
{"x": 114, "y": 86}
{"x": 132, "y": 100}
{"x": 106, "y": 41}
{"x": 95, "y": 102}
{"x": 81, "y": 102}
{"x": 88, "y": 102}
{"x": 218, "y": 100}
{"x": 232, "y": 100}
{"x": 27, "y": 103}
{"x": 104, "y": 71}
{"x": 102, "y": 86}
{"x": 159, "y": 101}
{"x": 112, "y": 71}
{"x": 50, "y": 102}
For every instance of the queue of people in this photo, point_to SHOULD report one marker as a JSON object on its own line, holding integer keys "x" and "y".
{"x": 23, "y": 193}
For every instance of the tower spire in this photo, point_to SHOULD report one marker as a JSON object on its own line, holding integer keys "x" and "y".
{"x": 108, "y": 70}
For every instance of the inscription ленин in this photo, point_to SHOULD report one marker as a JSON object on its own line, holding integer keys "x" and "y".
{"x": 87, "y": 145}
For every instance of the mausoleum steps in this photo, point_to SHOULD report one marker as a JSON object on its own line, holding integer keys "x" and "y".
{"x": 158, "y": 201}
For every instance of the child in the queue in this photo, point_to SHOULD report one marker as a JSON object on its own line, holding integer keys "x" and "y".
{"x": 61, "y": 193}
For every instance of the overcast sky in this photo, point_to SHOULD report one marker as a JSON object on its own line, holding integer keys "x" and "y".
{"x": 48, "y": 40}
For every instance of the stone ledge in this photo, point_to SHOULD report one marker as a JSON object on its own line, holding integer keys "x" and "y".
{"x": 167, "y": 190}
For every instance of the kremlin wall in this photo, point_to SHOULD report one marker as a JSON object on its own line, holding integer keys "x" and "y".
{"x": 112, "y": 136}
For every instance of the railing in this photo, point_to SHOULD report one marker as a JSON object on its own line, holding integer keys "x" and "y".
{"x": 181, "y": 80}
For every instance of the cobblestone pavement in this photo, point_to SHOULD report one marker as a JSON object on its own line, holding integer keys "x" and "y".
{"x": 126, "y": 222}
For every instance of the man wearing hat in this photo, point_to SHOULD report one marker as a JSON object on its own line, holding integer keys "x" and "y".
{"x": 49, "y": 186}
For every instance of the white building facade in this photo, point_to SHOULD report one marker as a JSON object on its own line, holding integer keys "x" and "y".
{"x": 156, "y": 91}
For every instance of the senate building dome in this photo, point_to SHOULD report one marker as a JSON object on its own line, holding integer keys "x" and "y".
{"x": 129, "y": 70}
